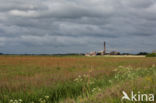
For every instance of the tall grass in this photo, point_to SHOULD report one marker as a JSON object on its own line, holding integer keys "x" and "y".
{"x": 83, "y": 86}
{"x": 125, "y": 79}
{"x": 32, "y": 78}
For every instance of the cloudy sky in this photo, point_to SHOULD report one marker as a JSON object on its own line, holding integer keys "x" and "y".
{"x": 77, "y": 26}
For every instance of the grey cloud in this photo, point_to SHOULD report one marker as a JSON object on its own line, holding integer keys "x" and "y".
{"x": 138, "y": 3}
{"x": 51, "y": 26}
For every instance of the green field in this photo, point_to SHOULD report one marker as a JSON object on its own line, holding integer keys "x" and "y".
{"x": 77, "y": 79}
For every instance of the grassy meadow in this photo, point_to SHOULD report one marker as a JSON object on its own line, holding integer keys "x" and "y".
{"x": 49, "y": 79}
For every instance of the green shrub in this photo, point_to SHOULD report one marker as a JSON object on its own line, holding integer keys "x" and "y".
{"x": 151, "y": 55}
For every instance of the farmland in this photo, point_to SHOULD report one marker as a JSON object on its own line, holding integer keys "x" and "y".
{"x": 71, "y": 79}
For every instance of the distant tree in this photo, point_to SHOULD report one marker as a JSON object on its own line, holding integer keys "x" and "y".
{"x": 125, "y": 54}
{"x": 1, "y": 53}
{"x": 114, "y": 53}
{"x": 142, "y": 53}
{"x": 98, "y": 53}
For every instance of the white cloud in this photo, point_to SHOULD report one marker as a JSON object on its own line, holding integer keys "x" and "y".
{"x": 29, "y": 13}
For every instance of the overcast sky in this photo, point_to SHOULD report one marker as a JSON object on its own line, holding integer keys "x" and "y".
{"x": 77, "y": 26}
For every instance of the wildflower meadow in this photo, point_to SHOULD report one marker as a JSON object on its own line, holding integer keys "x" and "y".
{"x": 49, "y": 79}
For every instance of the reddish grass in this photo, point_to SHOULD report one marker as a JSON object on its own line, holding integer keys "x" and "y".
{"x": 24, "y": 72}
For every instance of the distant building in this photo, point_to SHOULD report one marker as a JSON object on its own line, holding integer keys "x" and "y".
{"x": 154, "y": 51}
{"x": 103, "y": 52}
{"x": 91, "y": 54}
